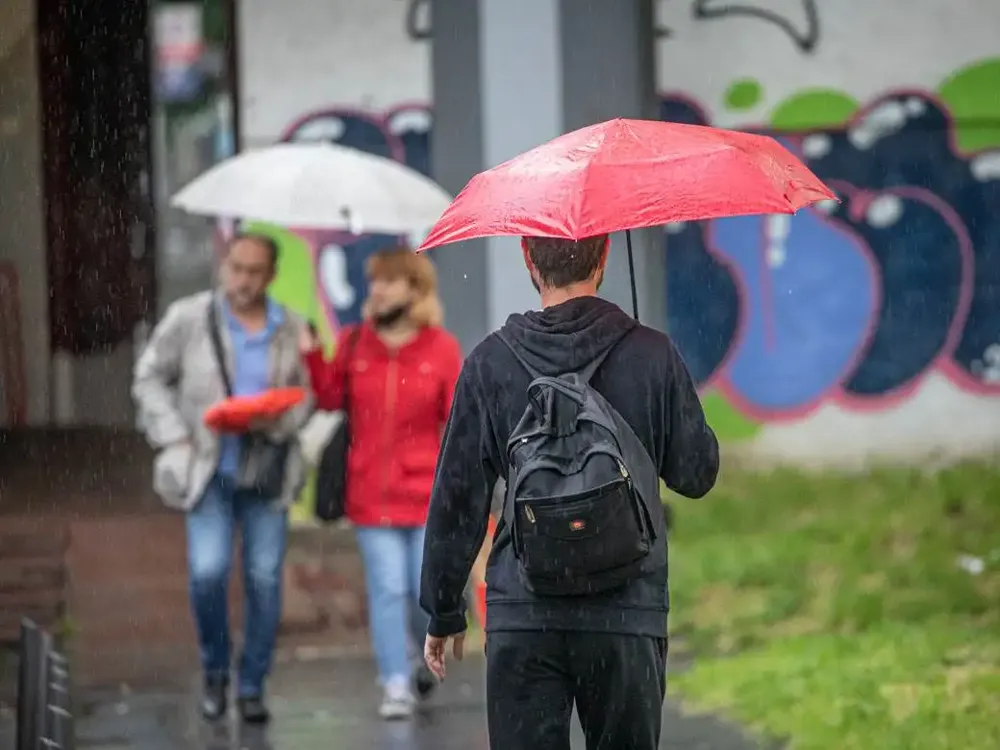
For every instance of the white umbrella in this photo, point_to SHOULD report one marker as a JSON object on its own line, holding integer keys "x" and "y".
{"x": 317, "y": 186}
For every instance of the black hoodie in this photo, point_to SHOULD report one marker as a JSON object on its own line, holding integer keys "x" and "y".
{"x": 643, "y": 378}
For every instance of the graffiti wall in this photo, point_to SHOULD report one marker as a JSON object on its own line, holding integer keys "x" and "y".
{"x": 869, "y": 326}
{"x": 865, "y": 327}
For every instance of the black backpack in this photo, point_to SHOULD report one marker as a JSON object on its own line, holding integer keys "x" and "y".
{"x": 582, "y": 501}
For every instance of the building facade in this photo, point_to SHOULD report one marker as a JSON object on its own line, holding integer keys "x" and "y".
{"x": 868, "y": 329}
{"x": 865, "y": 329}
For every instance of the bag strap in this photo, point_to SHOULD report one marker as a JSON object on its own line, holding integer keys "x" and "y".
{"x": 217, "y": 348}
{"x": 352, "y": 343}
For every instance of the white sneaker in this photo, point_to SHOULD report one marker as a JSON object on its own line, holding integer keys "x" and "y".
{"x": 397, "y": 701}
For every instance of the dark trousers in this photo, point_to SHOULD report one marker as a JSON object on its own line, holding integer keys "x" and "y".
{"x": 534, "y": 678}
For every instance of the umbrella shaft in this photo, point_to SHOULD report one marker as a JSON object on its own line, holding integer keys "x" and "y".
{"x": 631, "y": 274}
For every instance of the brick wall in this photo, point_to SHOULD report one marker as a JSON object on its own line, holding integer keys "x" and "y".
{"x": 128, "y": 610}
{"x": 32, "y": 584}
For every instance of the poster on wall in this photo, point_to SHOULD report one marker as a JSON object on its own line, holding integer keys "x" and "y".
{"x": 179, "y": 50}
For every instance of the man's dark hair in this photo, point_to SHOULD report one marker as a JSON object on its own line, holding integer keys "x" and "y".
{"x": 265, "y": 241}
{"x": 563, "y": 262}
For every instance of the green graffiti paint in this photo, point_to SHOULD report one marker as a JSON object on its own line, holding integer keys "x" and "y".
{"x": 813, "y": 108}
{"x": 727, "y": 422}
{"x": 972, "y": 95}
{"x": 743, "y": 94}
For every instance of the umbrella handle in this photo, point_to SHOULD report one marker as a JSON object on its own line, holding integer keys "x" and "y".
{"x": 631, "y": 274}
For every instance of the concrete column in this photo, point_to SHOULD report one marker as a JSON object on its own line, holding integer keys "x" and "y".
{"x": 507, "y": 76}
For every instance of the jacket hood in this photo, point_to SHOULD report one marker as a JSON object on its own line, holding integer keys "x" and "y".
{"x": 567, "y": 337}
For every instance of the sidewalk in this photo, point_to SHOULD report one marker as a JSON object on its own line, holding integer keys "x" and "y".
{"x": 330, "y": 705}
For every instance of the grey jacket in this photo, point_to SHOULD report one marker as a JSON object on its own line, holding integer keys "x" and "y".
{"x": 177, "y": 379}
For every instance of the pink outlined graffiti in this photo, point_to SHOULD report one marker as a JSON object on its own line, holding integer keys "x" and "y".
{"x": 942, "y": 361}
{"x": 845, "y": 358}
{"x": 392, "y": 135}
{"x": 714, "y": 281}
{"x": 918, "y": 143}
{"x": 939, "y": 196}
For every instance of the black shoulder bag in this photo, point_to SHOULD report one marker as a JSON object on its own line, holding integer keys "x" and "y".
{"x": 331, "y": 475}
{"x": 262, "y": 461}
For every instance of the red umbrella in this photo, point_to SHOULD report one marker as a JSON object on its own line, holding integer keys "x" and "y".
{"x": 237, "y": 413}
{"x": 628, "y": 174}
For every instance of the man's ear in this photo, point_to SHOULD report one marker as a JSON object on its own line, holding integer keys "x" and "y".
{"x": 527, "y": 258}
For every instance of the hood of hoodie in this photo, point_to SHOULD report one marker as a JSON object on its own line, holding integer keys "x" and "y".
{"x": 568, "y": 337}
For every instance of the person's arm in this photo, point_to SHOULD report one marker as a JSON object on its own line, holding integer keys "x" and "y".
{"x": 459, "y": 510}
{"x": 327, "y": 377}
{"x": 289, "y": 423}
{"x": 691, "y": 458}
{"x": 154, "y": 381}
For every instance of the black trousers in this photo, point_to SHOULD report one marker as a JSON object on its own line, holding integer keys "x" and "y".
{"x": 534, "y": 678}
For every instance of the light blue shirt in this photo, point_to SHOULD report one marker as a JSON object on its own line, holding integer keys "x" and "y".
{"x": 251, "y": 370}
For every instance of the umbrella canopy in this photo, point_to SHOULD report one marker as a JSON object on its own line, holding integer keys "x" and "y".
{"x": 629, "y": 174}
{"x": 236, "y": 413}
{"x": 317, "y": 186}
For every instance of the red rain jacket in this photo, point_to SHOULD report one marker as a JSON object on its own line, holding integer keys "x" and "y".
{"x": 398, "y": 404}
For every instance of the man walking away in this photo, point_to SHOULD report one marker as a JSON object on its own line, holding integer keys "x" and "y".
{"x": 580, "y": 409}
{"x": 235, "y": 341}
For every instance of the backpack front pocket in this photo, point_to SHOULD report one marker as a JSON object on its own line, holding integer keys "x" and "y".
{"x": 570, "y": 542}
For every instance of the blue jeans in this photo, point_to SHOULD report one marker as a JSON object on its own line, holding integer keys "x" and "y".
{"x": 211, "y": 528}
{"x": 392, "y": 558}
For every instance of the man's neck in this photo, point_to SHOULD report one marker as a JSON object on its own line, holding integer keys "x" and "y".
{"x": 553, "y": 297}
{"x": 253, "y": 317}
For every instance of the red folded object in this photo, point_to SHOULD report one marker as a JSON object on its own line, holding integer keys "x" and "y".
{"x": 235, "y": 414}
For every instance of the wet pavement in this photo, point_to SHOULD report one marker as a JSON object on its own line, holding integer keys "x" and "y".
{"x": 331, "y": 706}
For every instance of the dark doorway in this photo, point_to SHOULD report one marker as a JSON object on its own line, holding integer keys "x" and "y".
{"x": 95, "y": 90}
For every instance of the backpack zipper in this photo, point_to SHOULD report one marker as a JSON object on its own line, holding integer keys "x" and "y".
{"x": 625, "y": 475}
{"x": 530, "y": 514}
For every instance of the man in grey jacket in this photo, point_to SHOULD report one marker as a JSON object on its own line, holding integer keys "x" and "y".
{"x": 177, "y": 378}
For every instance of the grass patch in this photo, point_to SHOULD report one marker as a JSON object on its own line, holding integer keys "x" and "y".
{"x": 833, "y": 610}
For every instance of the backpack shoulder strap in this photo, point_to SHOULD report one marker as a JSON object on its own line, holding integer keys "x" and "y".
{"x": 513, "y": 350}
{"x": 217, "y": 348}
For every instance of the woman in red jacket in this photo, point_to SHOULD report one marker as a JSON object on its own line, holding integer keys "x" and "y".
{"x": 400, "y": 367}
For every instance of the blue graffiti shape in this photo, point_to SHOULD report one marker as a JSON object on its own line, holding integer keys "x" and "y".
{"x": 920, "y": 265}
{"x": 809, "y": 301}
{"x": 703, "y": 303}
{"x": 906, "y": 140}
{"x": 357, "y": 131}
{"x": 355, "y": 253}
{"x": 413, "y": 127}
{"x": 674, "y": 109}
{"x": 977, "y": 202}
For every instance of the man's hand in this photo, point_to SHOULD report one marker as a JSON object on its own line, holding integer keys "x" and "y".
{"x": 434, "y": 650}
